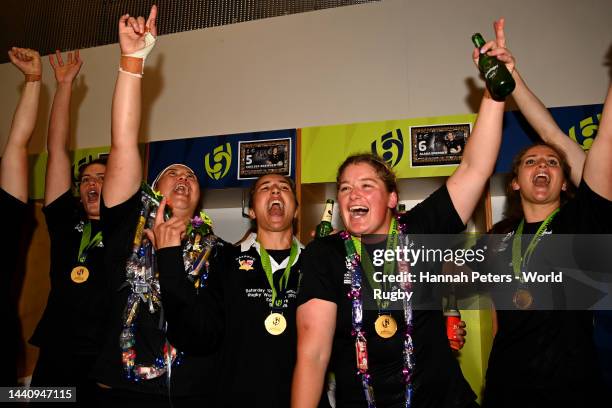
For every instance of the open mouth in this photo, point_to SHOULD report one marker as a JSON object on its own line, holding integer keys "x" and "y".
{"x": 358, "y": 211}
{"x": 181, "y": 188}
{"x": 276, "y": 207}
{"x": 541, "y": 180}
{"x": 92, "y": 196}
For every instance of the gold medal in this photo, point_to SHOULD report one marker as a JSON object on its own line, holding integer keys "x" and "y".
{"x": 275, "y": 324}
{"x": 522, "y": 299}
{"x": 385, "y": 326}
{"x": 79, "y": 274}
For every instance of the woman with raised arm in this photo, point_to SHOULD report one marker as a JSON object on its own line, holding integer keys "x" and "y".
{"x": 547, "y": 357}
{"x": 248, "y": 308}
{"x": 14, "y": 195}
{"x": 392, "y": 356}
{"x": 138, "y": 364}
{"x": 536, "y": 113}
{"x": 70, "y": 330}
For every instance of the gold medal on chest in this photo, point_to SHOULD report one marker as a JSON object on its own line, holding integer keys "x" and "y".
{"x": 385, "y": 326}
{"x": 522, "y": 299}
{"x": 275, "y": 324}
{"x": 79, "y": 274}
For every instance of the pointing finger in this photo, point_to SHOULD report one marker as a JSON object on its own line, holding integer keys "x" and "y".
{"x": 151, "y": 21}
{"x": 159, "y": 217}
{"x": 499, "y": 32}
{"x": 123, "y": 20}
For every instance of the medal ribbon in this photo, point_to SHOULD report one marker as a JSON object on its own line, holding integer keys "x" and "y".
{"x": 368, "y": 267}
{"x": 87, "y": 243}
{"x": 284, "y": 280}
{"x": 519, "y": 261}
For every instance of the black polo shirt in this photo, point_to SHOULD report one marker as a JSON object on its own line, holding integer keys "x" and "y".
{"x": 256, "y": 367}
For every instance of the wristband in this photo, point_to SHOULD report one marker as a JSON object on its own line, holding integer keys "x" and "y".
{"x": 132, "y": 66}
{"x": 33, "y": 77}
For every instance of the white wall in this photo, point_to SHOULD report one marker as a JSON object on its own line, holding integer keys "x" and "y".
{"x": 498, "y": 196}
{"x": 225, "y": 209}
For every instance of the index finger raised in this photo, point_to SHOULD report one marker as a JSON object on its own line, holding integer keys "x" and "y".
{"x": 159, "y": 217}
{"x": 500, "y": 36}
{"x": 151, "y": 21}
{"x": 123, "y": 20}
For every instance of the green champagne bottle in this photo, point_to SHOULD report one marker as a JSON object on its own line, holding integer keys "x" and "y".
{"x": 499, "y": 80}
{"x": 325, "y": 226}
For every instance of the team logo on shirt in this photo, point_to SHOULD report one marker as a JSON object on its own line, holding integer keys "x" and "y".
{"x": 245, "y": 262}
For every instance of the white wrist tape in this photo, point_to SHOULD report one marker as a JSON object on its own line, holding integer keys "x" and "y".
{"x": 143, "y": 52}
{"x": 130, "y": 73}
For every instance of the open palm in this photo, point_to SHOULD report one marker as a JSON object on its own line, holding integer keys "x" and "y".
{"x": 66, "y": 72}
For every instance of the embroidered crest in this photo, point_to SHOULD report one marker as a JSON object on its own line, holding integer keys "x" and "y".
{"x": 245, "y": 262}
{"x": 79, "y": 226}
{"x": 503, "y": 245}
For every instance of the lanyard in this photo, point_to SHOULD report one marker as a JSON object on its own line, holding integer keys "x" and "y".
{"x": 368, "y": 267}
{"x": 284, "y": 280}
{"x": 521, "y": 260}
{"x": 87, "y": 243}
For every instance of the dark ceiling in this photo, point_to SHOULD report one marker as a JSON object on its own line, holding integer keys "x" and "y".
{"x": 47, "y": 25}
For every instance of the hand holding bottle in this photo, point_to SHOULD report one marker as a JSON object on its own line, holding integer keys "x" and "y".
{"x": 498, "y": 48}
{"x": 495, "y": 62}
{"x": 455, "y": 327}
{"x": 455, "y": 331}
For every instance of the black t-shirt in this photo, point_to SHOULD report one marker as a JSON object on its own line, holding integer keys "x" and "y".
{"x": 75, "y": 316}
{"x": 13, "y": 223}
{"x": 256, "y": 367}
{"x": 454, "y": 146}
{"x": 15, "y": 218}
{"x": 277, "y": 158}
{"x": 438, "y": 381}
{"x": 191, "y": 376}
{"x": 15, "y": 212}
{"x": 547, "y": 356}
